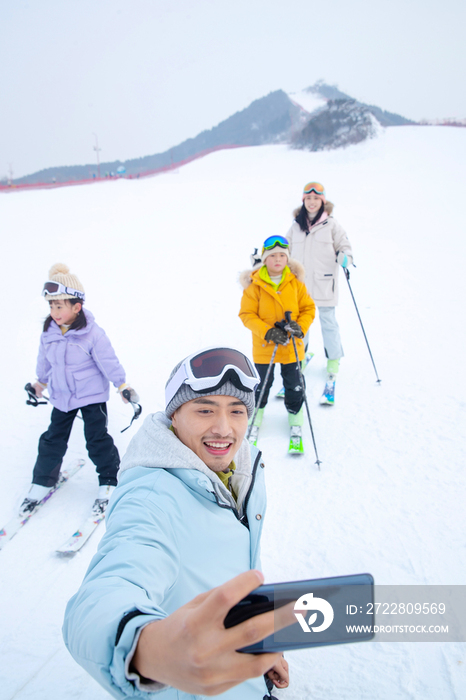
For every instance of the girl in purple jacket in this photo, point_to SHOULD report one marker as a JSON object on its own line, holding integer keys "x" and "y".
{"x": 76, "y": 362}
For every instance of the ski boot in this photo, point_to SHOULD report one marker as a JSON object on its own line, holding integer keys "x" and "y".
{"x": 103, "y": 497}
{"x": 295, "y": 421}
{"x": 35, "y": 495}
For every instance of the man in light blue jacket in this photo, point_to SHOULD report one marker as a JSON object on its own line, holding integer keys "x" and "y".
{"x": 181, "y": 548}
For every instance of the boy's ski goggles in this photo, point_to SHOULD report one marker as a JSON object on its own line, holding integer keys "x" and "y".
{"x": 273, "y": 241}
{"x": 209, "y": 369}
{"x": 53, "y": 288}
{"x": 314, "y": 187}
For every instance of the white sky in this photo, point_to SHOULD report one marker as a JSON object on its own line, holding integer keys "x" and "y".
{"x": 146, "y": 74}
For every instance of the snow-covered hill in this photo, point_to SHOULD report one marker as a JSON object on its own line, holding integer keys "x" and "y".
{"x": 310, "y": 101}
{"x": 159, "y": 259}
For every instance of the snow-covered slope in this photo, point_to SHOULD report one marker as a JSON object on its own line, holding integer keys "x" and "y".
{"x": 309, "y": 101}
{"x": 159, "y": 260}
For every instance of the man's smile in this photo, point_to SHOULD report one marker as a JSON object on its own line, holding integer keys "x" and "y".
{"x": 219, "y": 447}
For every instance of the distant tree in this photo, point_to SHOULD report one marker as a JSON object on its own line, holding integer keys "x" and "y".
{"x": 342, "y": 123}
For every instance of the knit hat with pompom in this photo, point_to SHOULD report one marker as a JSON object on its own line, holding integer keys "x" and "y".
{"x": 61, "y": 273}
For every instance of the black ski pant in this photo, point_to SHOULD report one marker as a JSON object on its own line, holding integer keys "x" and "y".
{"x": 54, "y": 442}
{"x": 294, "y": 398}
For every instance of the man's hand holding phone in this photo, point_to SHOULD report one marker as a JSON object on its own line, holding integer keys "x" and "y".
{"x": 324, "y": 611}
{"x": 193, "y": 651}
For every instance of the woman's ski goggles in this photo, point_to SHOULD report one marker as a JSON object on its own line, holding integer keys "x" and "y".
{"x": 314, "y": 187}
{"x": 209, "y": 369}
{"x": 53, "y": 288}
{"x": 273, "y": 241}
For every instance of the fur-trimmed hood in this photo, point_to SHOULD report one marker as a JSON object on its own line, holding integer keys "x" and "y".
{"x": 328, "y": 207}
{"x": 245, "y": 277}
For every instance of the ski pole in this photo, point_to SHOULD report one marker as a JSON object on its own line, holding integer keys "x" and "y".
{"x": 33, "y": 401}
{"x": 269, "y": 369}
{"x": 32, "y": 396}
{"x": 347, "y": 275}
{"x": 301, "y": 379}
{"x": 137, "y": 408}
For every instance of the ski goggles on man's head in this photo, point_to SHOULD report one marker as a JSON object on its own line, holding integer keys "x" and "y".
{"x": 53, "y": 288}
{"x": 209, "y": 369}
{"x": 273, "y": 241}
{"x": 314, "y": 187}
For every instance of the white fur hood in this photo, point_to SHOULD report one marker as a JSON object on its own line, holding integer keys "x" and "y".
{"x": 245, "y": 277}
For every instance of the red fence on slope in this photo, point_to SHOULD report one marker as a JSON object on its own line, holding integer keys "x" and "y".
{"x": 13, "y": 187}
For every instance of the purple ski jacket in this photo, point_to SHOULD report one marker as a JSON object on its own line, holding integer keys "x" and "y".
{"x": 78, "y": 366}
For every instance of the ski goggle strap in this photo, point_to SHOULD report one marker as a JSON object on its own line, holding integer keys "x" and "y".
{"x": 209, "y": 369}
{"x": 273, "y": 241}
{"x": 314, "y": 187}
{"x": 53, "y": 288}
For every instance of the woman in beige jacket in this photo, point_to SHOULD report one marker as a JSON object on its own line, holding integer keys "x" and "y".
{"x": 322, "y": 246}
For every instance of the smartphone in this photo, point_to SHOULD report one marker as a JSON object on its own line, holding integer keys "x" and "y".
{"x": 335, "y": 610}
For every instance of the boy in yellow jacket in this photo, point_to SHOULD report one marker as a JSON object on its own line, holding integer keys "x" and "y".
{"x": 272, "y": 289}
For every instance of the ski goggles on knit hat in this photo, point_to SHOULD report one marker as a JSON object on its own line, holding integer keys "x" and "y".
{"x": 274, "y": 241}
{"x": 53, "y": 288}
{"x": 275, "y": 244}
{"x": 314, "y": 187}
{"x": 206, "y": 373}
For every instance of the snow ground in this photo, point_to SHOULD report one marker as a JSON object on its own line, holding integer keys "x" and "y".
{"x": 159, "y": 259}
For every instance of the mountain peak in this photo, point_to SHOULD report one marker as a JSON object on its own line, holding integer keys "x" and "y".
{"x": 328, "y": 92}
{"x": 312, "y": 118}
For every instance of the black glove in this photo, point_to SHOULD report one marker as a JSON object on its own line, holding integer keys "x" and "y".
{"x": 294, "y": 329}
{"x": 276, "y": 335}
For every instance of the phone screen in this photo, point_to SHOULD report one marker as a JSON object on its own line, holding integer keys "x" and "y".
{"x": 335, "y": 610}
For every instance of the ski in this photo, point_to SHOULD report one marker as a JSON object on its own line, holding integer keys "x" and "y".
{"x": 307, "y": 358}
{"x": 328, "y": 397}
{"x": 254, "y": 435}
{"x": 16, "y": 523}
{"x": 79, "y": 538}
{"x": 296, "y": 442}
